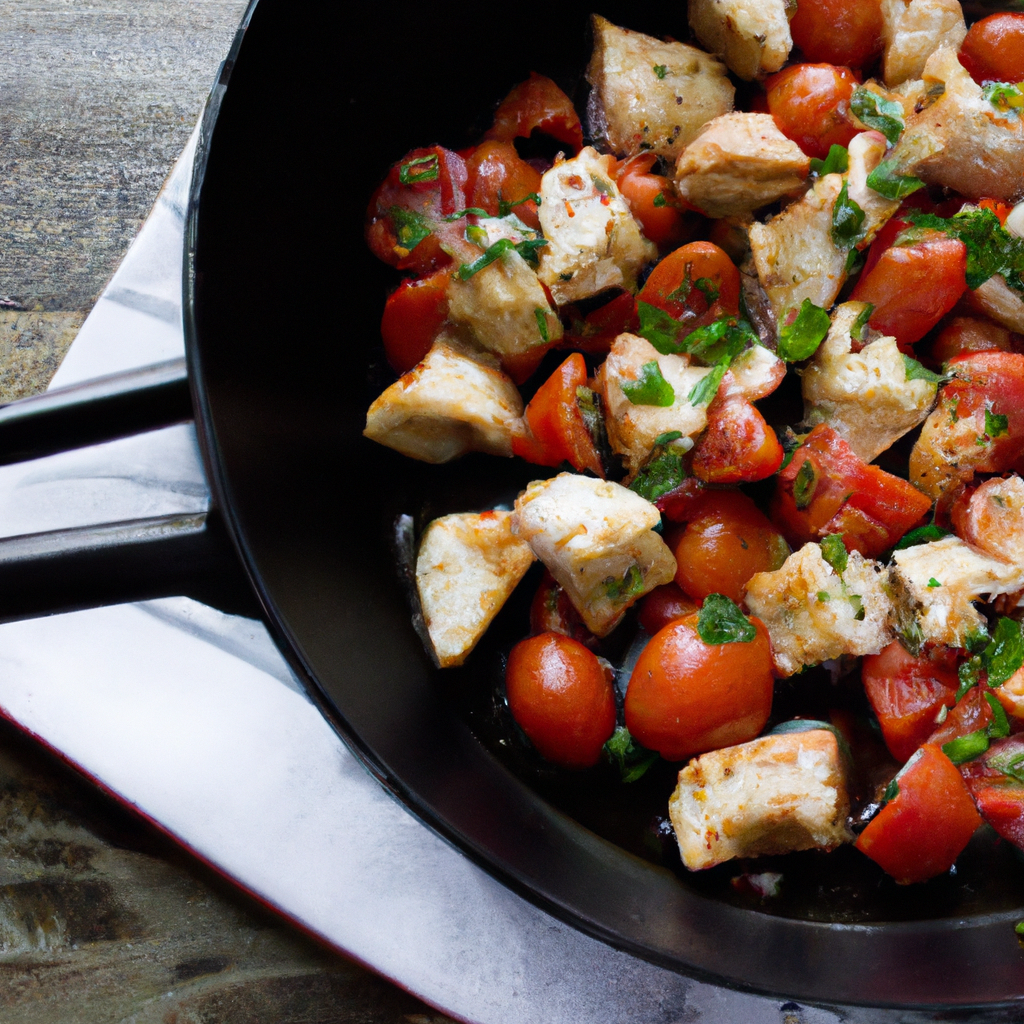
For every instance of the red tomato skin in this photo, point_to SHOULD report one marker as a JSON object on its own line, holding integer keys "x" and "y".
{"x": 920, "y": 833}
{"x": 906, "y": 694}
{"x": 913, "y": 287}
{"x": 496, "y": 172}
{"x": 738, "y": 445}
{"x": 537, "y": 104}
{"x": 993, "y": 50}
{"x": 838, "y": 31}
{"x": 595, "y": 333}
{"x": 686, "y": 697}
{"x": 963, "y": 335}
{"x": 413, "y": 315}
{"x": 665, "y": 220}
{"x": 1002, "y": 806}
{"x": 663, "y": 605}
{"x": 562, "y": 698}
{"x": 971, "y": 713}
{"x": 811, "y": 106}
{"x": 993, "y": 380}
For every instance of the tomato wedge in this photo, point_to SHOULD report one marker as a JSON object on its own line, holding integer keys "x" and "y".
{"x": 653, "y": 201}
{"x": 738, "y": 445}
{"x": 412, "y": 317}
{"x": 496, "y": 174}
{"x": 811, "y": 106}
{"x": 537, "y": 105}
{"x": 595, "y": 333}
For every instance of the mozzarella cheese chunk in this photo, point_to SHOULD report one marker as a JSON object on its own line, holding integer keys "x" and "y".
{"x": 456, "y": 401}
{"x": 468, "y": 565}
{"x": 597, "y": 540}
{"x": 813, "y": 615}
{"x": 504, "y": 306}
{"x": 771, "y": 795}
{"x": 650, "y": 96}
{"x": 751, "y": 36}
{"x": 594, "y": 243}
{"x": 864, "y": 396}
{"x": 738, "y": 163}
{"x": 913, "y": 30}
{"x": 633, "y": 429}
{"x": 933, "y": 586}
{"x": 994, "y": 522}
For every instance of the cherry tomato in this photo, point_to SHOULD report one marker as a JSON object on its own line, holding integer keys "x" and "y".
{"x": 561, "y": 697}
{"x": 551, "y": 611}
{"x": 811, "y": 106}
{"x": 496, "y": 173}
{"x": 537, "y": 104}
{"x": 412, "y": 317}
{"x": 738, "y": 445}
{"x": 686, "y": 696}
{"x": 653, "y": 201}
{"x": 838, "y": 31}
{"x": 993, "y": 50}
{"x": 726, "y": 541}
{"x": 907, "y": 694}
{"x": 1002, "y": 806}
{"x": 965, "y": 334}
{"x": 595, "y": 332}
{"x": 664, "y": 605}
{"x": 923, "y": 829}
{"x": 554, "y": 430}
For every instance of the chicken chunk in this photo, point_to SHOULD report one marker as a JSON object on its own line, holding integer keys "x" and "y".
{"x": 864, "y": 396}
{"x": 994, "y": 519}
{"x": 593, "y": 241}
{"x": 456, "y": 401}
{"x": 633, "y": 429}
{"x": 813, "y": 614}
{"x": 468, "y": 565}
{"x": 771, "y": 795}
{"x": 751, "y": 36}
{"x": 933, "y": 586}
{"x": 738, "y": 163}
{"x": 995, "y": 298}
{"x": 597, "y": 540}
{"x": 650, "y": 96}
{"x": 504, "y": 306}
{"x": 795, "y": 256}
{"x": 913, "y": 30}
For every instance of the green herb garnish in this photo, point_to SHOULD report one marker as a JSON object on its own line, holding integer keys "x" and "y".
{"x": 650, "y": 388}
{"x": 661, "y": 70}
{"x": 423, "y": 168}
{"x": 631, "y": 585}
{"x": 915, "y": 371}
{"x": 1006, "y": 97}
{"x": 631, "y": 759}
{"x": 706, "y": 388}
{"x": 527, "y": 249}
{"x": 833, "y": 550}
{"x": 804, "y": 484}
{"x": 410, "y": 228}
{"x": 800, "y": 339}
{"x": 837, "y": 161}
{"x": 964, "y": 748}
{"x": 933, "y": 582}
{"x": 996, "y": 424}
{"x": 847, "y": 221}
{"x": 663, "y": 472}
{"x": 661, "y": 329}
{"x": 721, "y": 622}
{"x": 542, "y": 324}
{"x": 885, "y": 116}
{"x": 922, "y": 535}
{"x": 1004, "y": 653}
{"x": 888, "y": 182}
{"x": 860, "y": 325}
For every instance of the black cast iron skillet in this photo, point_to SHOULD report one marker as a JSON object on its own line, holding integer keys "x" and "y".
{"x": 282, "y": 312}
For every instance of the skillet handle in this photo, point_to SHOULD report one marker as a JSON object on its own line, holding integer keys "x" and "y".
{"x": 186, "y": 554}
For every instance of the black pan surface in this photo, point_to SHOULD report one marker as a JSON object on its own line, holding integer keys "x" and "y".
{"x": 282, "y": 314}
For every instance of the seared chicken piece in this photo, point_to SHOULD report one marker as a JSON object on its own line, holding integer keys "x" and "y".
{"x": 771, "y": 795}
{"x": 593, "y": 241}
{"x": 632, "y": 429}
{"x": 456, "y": 401}
{"x": 597, "y": 540}
{"x": 864, "y": 396}
{"x": 738, "y": 163}
{"x": 468, "y": 565}
{"x": 751, "y": 36}
{"x": 995, "y": 298}
{"x": 933, "y": 586}
{"x": 913, "y": 30}
{"x": 650, "y": 96}
{"x": 994, "y": 521}
{"x": 812, "y": 614}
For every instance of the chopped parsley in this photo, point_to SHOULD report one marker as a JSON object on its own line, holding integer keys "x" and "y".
{"x": 1004, "y": 653}
{"x": 631, "y": 759}
{"x": 804, "y": 484}
{"x": 800, "y": 338}
{"x": 663, "y": 471}
{"x": 650, "y": 388}
{"x": 410, "y": 227}
{"x": 915, "y": 371}
{"x": 857, "y": 603}
{"x": 837, "y": 161}
{"x": 661, "y": 329}
{"x": 847, "y": 221}
{"x": 505, "y": 207}
{"x": 721, "y": 622}
{"x": 833, "y": 550}
{"x": 823, "y": 596}
{"x": 885, "y": 116}
{"x": 933, "y": 582}
{"x": 631, "y": 585}
{"x": 542, "y": 324}
{"x": 964, "y": 748}
{"x": 996, "y": 424}
{"x": 886, "y": 180}
{"x": 860, "y": 325}
{"x": 922, "y": 535}
{"x": 707, "y": 287}
{"x": 1006, "y": 97}
{"x": 423, "y": 168}
{"x": 707, "y": 387}
{"x": 660, "y": 200}
{"x": 661, "y": 70}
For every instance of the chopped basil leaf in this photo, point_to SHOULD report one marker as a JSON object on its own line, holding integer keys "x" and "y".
{"x": 505, "y": 207}
{"x": 668, "y": 437}
{"x": 650, "y": 388}
{"x": 837, "y": 161}
{"x": 860, "y": 325}
{"x": 1004, "y": 96}
{"x": 589, "y": 405}
{"x": 800, "y": 339}
{"x": 707, "y": 387}
{"x": 847, "y": 221}
{"x": 410, "y": 228}
{"x": 833, "y": 550}
{"x": 977, "y": 640}
{"x": 963, "y": 748}
{"x": 1005, "y": 653}
{"x": 660, "y": 70}
{"x": 721, "y": 622}
{"x": 857, "y": 603}
{"x": 423, "y": 168}
{"x": 968, "y": 674}
{"x": 631, "y": 585}
{"x": 660, "y": 200}
{"x": 527, "y": 249}
{"x": 627, "y": 755}
{"x": 999, "y": 727}
{"x": 725, "y": 338}
{"x": 933, "y": 582}
{"x": 804, "y": 484}
{"x": 915, "y": 371}
{"x": 886, "y": 181}
{"x": 996, "y": 424}
{"x": 922, "y": 535}
{"x": 542, "y": 324}
{"x": 885, "y": 116}
{"x": 469, "y": 211}
{"x": 823, "y": 596}
{"x": 707, "y": 288}
{"x": 662, "y": 473}
{"x": 661, "y": 329}
{"x": 891, "y": 791}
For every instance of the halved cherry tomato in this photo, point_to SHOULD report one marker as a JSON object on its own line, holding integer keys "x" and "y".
{"x": 920, "y": 832}
{"x": 664, "y": 605}
{"x": 686, "y": 696}
{"x": 811, "y": 105}
{"x": 653, "y": 201}
{"x": 907, "y": 693}
{"x": 537, "y": 105}
{"x": 726, "y": 541}
{"x": 965, "y": 334}
{"x": 562, "y": 698}
{"x": 554, "y": 430}
{"x": 595, "y": 333}
{"x": 993, "y": 50}
{"x": 738, "y": 445}
{"x": 412, "y": 317}
{"x": 838, "y": 31}
{"x": 551, "y": 611}
{"x": 913, "y": 287}
{"x": 840, "y": 493}
{"x": 990, "y": 382}
{"x": 495, "y": 174}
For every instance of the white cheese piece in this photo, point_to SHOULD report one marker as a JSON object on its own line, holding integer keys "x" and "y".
{"x": 594, "y": 243}
{"x": 738, "y": 163}
{"x": 751, "y": 36}
{"x": 813, "y": 615}
{"x": 650, "y": 96}
{"x": 468, "y": 565}
{"x": 456, "y": 401}
{"x": 913, "y": 30}
{"x": 772, "y": 795}
{"x": 597, "y": 540}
